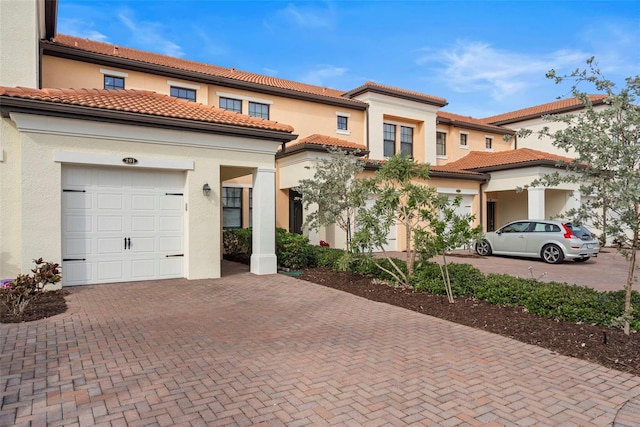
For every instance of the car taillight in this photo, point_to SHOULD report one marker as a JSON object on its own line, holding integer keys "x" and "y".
{"x": 567, "y": 232}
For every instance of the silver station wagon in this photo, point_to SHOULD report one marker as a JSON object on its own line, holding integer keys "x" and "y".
{"x": 553, "y": 241}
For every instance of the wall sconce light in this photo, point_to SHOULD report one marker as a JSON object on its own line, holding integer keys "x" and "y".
{"x": 206, "y": 189}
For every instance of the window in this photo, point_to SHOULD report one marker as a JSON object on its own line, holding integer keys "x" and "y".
{"x": 389, "y": 140}
{"x": 406, "y": 141}
{"x": 112, "y": 82}
{"x": 259, "y": 110}
{"x": 463, "y": 140}
{"x": 343, "y": 123}
{"x": 488, "y": 143}
{"x": 441, "y": 144}
{"x": 231, "y": 104}
{"x": 231, "y": 207}
{"x": 182, "y": 93}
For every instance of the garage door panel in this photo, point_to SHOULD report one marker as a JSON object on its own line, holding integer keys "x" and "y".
{"x": 143, "y": 244}
{"x": 170, "y": 267}
{"x": 142, "y": 269}
{"x": 78, "y": 273}
{"x": 78, "y": 200}
{"x": 110, "y": 246}
{"x": 110, "y": 201}
{"x": 111, "y": 178}
{"x": 109, "y": 224}
{"x": 111, "y": 271}
{"x": 78, "y": 246}
{"x": 141, "y": 202}
{"x": 172, "y": 245}
{"x": 121, "y": 206}
{"x": 171, "y": 203}
{"x": 143, "y": 223}
{"x": 78, "y": 223}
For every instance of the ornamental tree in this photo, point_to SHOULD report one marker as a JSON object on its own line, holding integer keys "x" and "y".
{"x": 606, "y": 143}
{"x": 333, "y": 195}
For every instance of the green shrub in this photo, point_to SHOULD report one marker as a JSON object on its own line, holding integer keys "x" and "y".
{"x": 237, "y": 241}
{"x": 464, "y": 278}
{"x": 325, "y": 257}
{"x": 293, "y": 250}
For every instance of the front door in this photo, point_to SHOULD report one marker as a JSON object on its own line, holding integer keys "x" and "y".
{"x": 295, "y": 212}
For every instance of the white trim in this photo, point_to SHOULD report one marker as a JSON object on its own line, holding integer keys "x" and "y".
{"x": 114, "y": 73}
{"x": 461, "y": 191}
{"x": 243, "y": 98}
{"x": 439, "y": 156}
{"x": 234, "y": 185}
{"x": 442, "y": 131}
{"x": 405, "y": 124}
{"x": 183, "y": 85}
{"x": 343, "y": 132}
{"x": 340, "y": 113}
{"x": 116, "y": 160}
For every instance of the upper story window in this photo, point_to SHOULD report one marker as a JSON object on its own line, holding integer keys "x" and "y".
{"x": 231, "y": 104}
{"x": 441, "y": 144}
{"x": 231, "y": 207}
{"x": 182, "y": 93}
{"x": 389, "y": 140}
{"x": 406, "y": 141}
{"x": 259, "y": 110}
{"x": 343, "y": 123}
{"x": 488, "y": 143}
{"x": 113, "y": 82}
{"x": 463, "y": 140}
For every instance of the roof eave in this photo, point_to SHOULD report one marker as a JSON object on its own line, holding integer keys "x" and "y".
{"x": 72, "y": 53}
{"x": 547, "y": 113}
{"x": 475, "y": 126}
{"x": 31, "y": 106}
{"x": 395, "y": 94}
{"x": 521, "y": 165}
{"x": 297, "y": 148}
{"x": 468, "y": 175}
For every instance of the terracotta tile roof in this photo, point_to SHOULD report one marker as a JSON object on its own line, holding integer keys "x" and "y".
{"x": 478, "y": 160}
{"x": 393, "y": 91}
{"x": 323, "y": 140}
{"x": 540, "y": 110}
{"x": 443, "y": 169}
{"x": 193, "y": 66}
{"x": 142, "y": 102}
{"x": 462, "y": 121}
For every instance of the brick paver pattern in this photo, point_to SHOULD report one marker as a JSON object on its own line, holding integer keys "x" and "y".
{"x": 275, "y": 351}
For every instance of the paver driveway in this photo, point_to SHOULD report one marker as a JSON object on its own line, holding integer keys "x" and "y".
{"x": 272, "y": 350}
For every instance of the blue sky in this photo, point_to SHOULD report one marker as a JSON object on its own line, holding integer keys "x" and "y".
{"x": 484, "y": 57}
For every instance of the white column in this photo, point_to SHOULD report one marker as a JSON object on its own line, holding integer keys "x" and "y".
{"x": 536, "y": 205}
{"x": 263, "y": 257}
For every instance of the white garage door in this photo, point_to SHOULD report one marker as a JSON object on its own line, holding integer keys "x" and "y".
{"x": 121, "y": 225}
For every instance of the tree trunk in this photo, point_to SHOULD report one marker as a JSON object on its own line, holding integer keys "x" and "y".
{"x": 628, "y": 286}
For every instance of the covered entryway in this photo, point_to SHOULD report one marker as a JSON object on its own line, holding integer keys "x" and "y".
{"x": 121, "y": 224}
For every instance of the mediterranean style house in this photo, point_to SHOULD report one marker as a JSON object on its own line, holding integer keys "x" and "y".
{"x": 127, "y": 165}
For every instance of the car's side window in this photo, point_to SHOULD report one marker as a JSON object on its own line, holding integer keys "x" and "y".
{"x": 516, "y": 227}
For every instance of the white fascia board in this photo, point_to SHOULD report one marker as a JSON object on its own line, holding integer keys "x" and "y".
{"x": 461, "y": 191}
{"x": 117, "y": 160}
{"x": 34, "y": 123}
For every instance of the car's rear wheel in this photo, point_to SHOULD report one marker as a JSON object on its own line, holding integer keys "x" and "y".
{"x": 483, "y": 248}
{"x": 552, "y": 254}
{"x": 582, "y": 259}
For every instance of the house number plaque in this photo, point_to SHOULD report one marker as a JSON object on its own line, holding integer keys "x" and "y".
{"x": 129, "y": 161}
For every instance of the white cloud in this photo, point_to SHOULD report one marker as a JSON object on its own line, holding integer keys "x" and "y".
{"x": 302, "y": 17}
{"x": 322, "y": 74}
{"x": 149, "y": 35}
{"x": 80, "y": 28}
{"x": 479, "y": 67}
